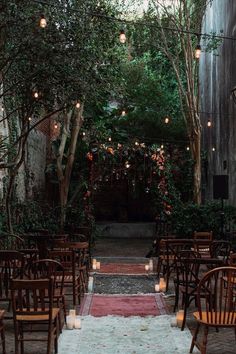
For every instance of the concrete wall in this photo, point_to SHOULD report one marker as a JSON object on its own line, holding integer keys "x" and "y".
{"x": 217, "y": 78}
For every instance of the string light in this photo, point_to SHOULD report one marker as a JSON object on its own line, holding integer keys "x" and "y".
{"x": 167, "y": 120}
{"x": 123, "y": 113}
{"x": 162, "y": 146}
{"x": 136, "y": 143}
{"x": 42, "y": 22}
{"x": 36, "y": 94}
{"x": 78, "y": 105}
{"x": 83, "y": 133}
{"x": 198, "y": 51}
{"x": 187, "y": 148}
{"x": 55, "y": 125}
{"x": 109, "y": 139}
{"x": 213, "y": 149}
{"x": 127, "y": 164}
{"x": 122, "y": 36}
{"x": 29, "y": 119}
{"x": 209, "y": 123}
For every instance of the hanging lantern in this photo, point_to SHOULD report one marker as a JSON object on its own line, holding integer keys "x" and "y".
{"x": 42, "y": 22}
{"x": 198, "y": 51}
{"x": 209, "y": 123}
{"x": 167, "y": 120}
{"x": 122, "y": 37}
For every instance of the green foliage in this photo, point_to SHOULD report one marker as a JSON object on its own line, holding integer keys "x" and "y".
{"x": 187, "y": 218}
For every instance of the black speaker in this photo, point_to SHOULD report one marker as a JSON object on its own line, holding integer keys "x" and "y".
{"x": 220, "y": 186}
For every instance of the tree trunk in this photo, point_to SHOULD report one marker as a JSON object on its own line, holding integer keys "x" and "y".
{"x": 64, "y": 175}
{"x": 196, "y": 153}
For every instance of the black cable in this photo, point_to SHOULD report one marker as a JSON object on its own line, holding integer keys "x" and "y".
{"x": 130, "y": 22}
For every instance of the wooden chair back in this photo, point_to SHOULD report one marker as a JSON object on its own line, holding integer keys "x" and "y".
{"x": 29, "y": 297}
{"x": 220, "y": 249}
{"x": 216, "y": 297}
{"x": 232, "y": 259}
{"x": 47, "y": 269}
{"x": 11, "y": 266}
{"x": 203, "y": 235}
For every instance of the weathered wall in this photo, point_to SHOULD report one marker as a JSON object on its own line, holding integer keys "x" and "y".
{"x": 31, "y": 178}
{"x": 217, "y": 78}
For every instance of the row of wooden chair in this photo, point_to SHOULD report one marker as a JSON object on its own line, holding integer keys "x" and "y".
{"x": 67, "y": 266}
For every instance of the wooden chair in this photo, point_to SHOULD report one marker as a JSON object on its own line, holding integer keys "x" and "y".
{"x": 216, "y": 303}
{"x": 81, "y": 250}
{"x": 169, "y": 249}
{"x": 11, "y": 266}
{"x": 46, "y": 269}
{"x": 202, "y": 242}
{"x": 68, "y": 260}
{"x": 30, "y": 309}
{"x": 232, "y": 259}
{"x": 2, "y": 331}
{"x": 186, "y": 274}
{"x": 221, "y": 249}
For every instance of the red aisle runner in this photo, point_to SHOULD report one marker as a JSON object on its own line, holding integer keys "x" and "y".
{"x": 123, "y": 305}
{"x": 122, "y": 268}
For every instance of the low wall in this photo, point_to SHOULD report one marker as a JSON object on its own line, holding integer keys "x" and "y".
{"x": 126, "y": 230}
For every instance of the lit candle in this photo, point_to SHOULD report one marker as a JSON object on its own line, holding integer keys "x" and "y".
{"x": 98, "y": 265}
{"x": 173, "y": 322}
{"x": 70, "y": 321}
{"x": 162, "y": 285}
{"x": 180, "y": 318}
{"x": 90, "y": 284}
{"x": 77, "y": 323}
{"x": 94, "y": 266}
{"x": 72, "y": 313}
{"x": 151, "y": 265}
{"x": 146, "y": 267}
{"x": 157, "y": 288}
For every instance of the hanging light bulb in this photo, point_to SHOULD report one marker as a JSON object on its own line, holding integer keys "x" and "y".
{"x": 213, "y": 149}
{"x": 122, "y": 36}
{"x": 127, "y": 164}
{"x": 42, "y": 22}
{"x": 198, "y": 51}
{"x": 123, "y": 113}
{"x": 136, "y": 143}
{"x": 83, "y": 133}
{"x": 167, "y": 120}
{"x": 209, "y": 123}
{"x": 29, "y": 119}
{"x": 55, "y": 125}
{"x": 187, "y": 148}
{"x": 2, "y": 109}
{"x": 77, "y": 105}
{"x": 109, "y": 139}
{"x": 36, "y": 94}
{"x": 162, "y": 146}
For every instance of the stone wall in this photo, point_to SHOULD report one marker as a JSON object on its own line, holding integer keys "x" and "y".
{"x": 217, "y": 78}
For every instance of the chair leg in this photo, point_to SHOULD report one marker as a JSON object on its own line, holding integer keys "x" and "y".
{"x": 56, "y": 337}
{"x": 176, "y": 297}
{"x": 49, "y": 342}
{"x": 186, "y": 304}
{"x": 204, "y": 342}
{"x": 194, "y": 337}
{"x": 3, "y": 340}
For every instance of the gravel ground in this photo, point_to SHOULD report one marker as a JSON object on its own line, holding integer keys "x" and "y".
{"x": 124, "y": 284}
